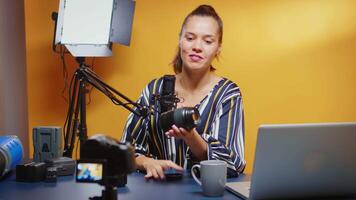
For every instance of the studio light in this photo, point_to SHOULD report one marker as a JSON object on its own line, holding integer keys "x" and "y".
{"x": 87, "y": 28}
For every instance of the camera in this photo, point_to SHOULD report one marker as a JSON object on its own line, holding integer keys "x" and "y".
{"x": 185, "y": 117}
{"x": 105, "y": 161}
{"x": 114, "y": 159}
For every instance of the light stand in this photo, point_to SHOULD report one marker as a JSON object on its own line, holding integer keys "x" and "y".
{"x": 76, "y": 116}
{"x": 88, "y": 29}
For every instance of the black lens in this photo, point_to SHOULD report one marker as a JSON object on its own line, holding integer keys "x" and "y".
{"x": 186, "y": 117}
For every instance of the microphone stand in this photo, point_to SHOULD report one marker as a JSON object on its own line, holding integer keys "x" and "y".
{"x": 76, "y": 116}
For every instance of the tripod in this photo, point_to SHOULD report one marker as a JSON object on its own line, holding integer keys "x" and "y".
{"x": 76, "y": 116}
{"x": 110, "y": 193}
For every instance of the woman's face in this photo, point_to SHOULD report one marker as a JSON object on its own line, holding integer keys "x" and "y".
{"x": 199, "y": 42}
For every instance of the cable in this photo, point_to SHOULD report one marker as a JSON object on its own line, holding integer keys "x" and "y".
{"x": 92, "y": 87}
{"x": 70, "y": 99}
{"x": 76, "y": 149}
{"x": 65, "y": 73}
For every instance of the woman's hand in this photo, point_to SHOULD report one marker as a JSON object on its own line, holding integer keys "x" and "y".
{"x": 192, "y": 138}
{"x": 155, "y": 168}
{"x": 179, "y": 133}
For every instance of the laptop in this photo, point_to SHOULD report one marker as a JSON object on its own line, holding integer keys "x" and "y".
{"x": 302, "y": 161}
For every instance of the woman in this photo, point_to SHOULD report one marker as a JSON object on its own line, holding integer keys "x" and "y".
{"x": 220, "y": 135}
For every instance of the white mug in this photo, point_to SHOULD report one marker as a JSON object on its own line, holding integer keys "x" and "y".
{"x": 212, "y": 175}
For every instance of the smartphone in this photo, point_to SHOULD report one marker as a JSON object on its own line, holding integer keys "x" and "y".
{"x": 173, "y": 175}
{"x": 90, "y": 171}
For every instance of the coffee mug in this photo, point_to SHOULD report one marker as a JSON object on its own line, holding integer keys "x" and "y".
{"x": 212, "y": 175}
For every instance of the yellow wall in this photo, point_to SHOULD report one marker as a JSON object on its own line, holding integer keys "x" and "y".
{"x": 294, "y": 60}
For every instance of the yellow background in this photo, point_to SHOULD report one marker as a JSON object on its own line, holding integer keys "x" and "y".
{"x": 294, "y": 60}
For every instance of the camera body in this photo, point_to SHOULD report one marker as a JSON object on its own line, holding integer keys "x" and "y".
{"x": 106, "y": 161}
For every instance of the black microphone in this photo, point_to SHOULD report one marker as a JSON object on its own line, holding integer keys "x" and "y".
{"x": 168, "y": 103}
{"x": 168, "y": 100}
{"x": 186, "y": 117}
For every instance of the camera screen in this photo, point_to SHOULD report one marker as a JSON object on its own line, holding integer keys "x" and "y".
{"x": 89, "y": 172}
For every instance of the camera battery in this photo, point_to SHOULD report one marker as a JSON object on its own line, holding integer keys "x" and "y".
{"x": 30, "y": 172}
{"x": 47, "y": 143}
{"x": 65, "y": 166}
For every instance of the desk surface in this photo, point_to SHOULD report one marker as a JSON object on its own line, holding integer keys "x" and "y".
{"x": 137, "y": 188}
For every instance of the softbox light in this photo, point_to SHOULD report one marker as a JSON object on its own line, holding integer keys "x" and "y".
{"x": 87, "y": 28}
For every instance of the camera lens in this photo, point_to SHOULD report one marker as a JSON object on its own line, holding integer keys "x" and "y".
{"x": 186, "y": 117}
{"x": 195, "y": 117}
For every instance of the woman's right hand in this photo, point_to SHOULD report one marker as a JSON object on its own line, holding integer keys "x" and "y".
{"x": 155, "y": 168}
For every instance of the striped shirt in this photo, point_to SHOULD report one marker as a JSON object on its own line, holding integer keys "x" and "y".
{"x": 221, "y": 126}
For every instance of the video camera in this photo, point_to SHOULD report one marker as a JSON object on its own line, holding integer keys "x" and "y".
{"x": 105, "y": 161}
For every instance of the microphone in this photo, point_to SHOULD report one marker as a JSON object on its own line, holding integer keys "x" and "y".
{"x": 168, "y": 100}
{"x": 186, "y": 117}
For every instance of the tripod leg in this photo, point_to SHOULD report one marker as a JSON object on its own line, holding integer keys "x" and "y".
{"x": 75, "y": 126}
{"x": 110, "y": 193}
{"x": 76, "y": 114}
{"x": 69, "y": 137}
{"x": 83, "y": 125}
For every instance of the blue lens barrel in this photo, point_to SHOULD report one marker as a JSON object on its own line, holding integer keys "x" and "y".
{"x": 11, "y": 153}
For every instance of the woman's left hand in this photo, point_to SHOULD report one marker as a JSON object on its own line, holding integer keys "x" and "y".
{"x": 180, "y": 133}
{"x": 192, "y": 138}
